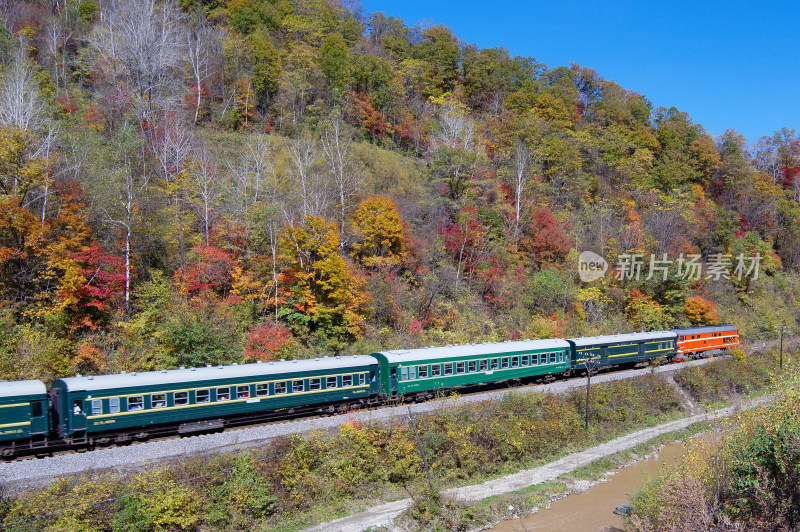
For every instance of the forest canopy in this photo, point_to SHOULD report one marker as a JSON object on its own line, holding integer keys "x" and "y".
{"x": 211, "y": 181}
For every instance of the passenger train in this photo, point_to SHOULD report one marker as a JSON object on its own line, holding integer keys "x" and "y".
{"x": 85, "y": 411}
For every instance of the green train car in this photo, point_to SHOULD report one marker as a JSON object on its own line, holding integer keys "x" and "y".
{"x": 24, "y": 416}
{"x": 200, "y": 399}
{"x": 618, "y": 349}
{"x": 421, "y": 371}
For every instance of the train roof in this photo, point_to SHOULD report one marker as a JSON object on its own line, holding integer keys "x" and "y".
{"x": 470, "y": 350}
{"x": 210, "y": 373}
{"x": 623, "y": 338}
{"x": 18, "y": 388}
{"x": 705, "y": 329}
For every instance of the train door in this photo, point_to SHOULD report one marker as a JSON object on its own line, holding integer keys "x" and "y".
{"x": 57, "y": 420}
{"x": 604, "y": 355}
{"x": 641, "y": 351}
{"x": 78, "y": 415}
{"x": 39, "y": 417}
{"x": 394, "y": 384}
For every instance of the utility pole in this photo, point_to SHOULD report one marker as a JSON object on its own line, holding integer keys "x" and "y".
{"x": 782, "y": 329}
{"x": 422, "y": 452}
{"x": 588, "y": 363}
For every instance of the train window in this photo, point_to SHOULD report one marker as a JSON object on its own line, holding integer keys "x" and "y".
{"x": 552, "y": 357}
{"x": 262, "y": 390}
{"x": 242, "y": 392}
{"x": 525, "y": 360}
{"x": 422, "y": 371}
{"x": 472, "y": 366}
{"x": 314, "y": 384}
{"x": 362, "y": 378}
{"x": 495, "y": 363}
{"x": 436, "y": 370}
{"x": 97, "y": 407}
{"x": 461, "y": 367}
{"x": 484, "y": 365}
{"x": 504, "y": 362}
{"x": 514, "y": 362}
{"x": 412, "y": 373}
{"x": 36, "y": 409}
{"x": 223, "y": 394}
{"x": 280, "y": 387}
{"x": 180, "y": 398}
{"x": 330, "y": 382}
{"x": 135, "y": 403}
{"x": 347, "y": 380}
{"x": 202, "y": 396}
{"x": 298, "y": 386}
{"x": 158, "y": 400}
{"x": 113, "y": 405}
{"x": 448, "y": 368}
{"x": 404, "y": 374}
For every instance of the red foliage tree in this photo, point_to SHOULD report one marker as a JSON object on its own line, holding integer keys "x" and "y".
{"x": 466, "y": 241}
{"x": 211, "y": 269}
{"x": 544, "y": 239}
{"x": 268, "y": 341}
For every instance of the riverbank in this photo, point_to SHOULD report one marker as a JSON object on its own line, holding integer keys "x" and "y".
{"x": 298, "y": 480}
{"x": 382, "y": 517}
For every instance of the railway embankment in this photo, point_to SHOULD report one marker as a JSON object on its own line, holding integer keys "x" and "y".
{"x": 294, "y": 480}
{"x": 28, "y": 473}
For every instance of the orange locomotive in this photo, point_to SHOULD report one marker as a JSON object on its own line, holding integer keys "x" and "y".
{"x": 693, "y": 342}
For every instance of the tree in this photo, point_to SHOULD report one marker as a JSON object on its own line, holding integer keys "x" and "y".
{"x": 199, "y": 39}
{"x": 645, "y": 313}
{"x": 205, "y": 185}
{"x": 335, "y": 150}
{"x": 379, "y": 241}
{"x": 21, "y": 106}
{"x": 453, "y": 127}
{"x": 269, "y": 341}
{"x": 324, "y": 299}
{"x": 22, "y": 170}
{"x": 467, "y": 241}
{"x": 441, "y": 54}
{"x": 309, "y": 184}
{"x": 521, "y": 169}
{"x": 140, "y": 43}
{"x": 544, "y": 239}
{"x": 700, "y": 311}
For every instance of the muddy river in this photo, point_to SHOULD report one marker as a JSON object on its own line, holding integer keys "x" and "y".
{"x": 592, "y": 510}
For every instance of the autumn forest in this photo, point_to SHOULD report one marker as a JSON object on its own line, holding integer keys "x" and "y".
{"x": 218, "y": 181}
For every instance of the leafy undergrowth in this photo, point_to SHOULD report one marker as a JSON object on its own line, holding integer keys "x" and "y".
{"x": 749, "y": 481}
{"x": 296, "y": 481}
{"x": 716, "y": 383}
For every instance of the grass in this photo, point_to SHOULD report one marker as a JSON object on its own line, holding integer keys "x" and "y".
{"x": 325, "y": 476}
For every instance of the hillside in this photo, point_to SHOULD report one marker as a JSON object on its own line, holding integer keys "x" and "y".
{"x": 214, "y": 182}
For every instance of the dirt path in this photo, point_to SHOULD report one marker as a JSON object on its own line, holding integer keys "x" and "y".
{"x": 383, "y": 515}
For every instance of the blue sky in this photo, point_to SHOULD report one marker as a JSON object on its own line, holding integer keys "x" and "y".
{"x": 728, "y": 64}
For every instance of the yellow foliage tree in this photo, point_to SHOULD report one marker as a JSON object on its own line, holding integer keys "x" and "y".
{"x": 379, "y": 240}
{"x": 325, "y": 298}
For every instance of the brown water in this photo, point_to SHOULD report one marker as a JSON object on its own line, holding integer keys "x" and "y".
{"x": 592, "y": 510}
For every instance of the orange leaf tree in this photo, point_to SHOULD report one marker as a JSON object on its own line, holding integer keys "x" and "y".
{"x": 700, "y": 311}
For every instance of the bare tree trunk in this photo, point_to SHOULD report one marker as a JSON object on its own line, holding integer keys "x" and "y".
{"x": 522, "y": 155}
{"x": 335, "y": 149}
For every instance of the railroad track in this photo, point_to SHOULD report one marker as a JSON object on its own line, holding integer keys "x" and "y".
{"x": 27, "y": 472}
